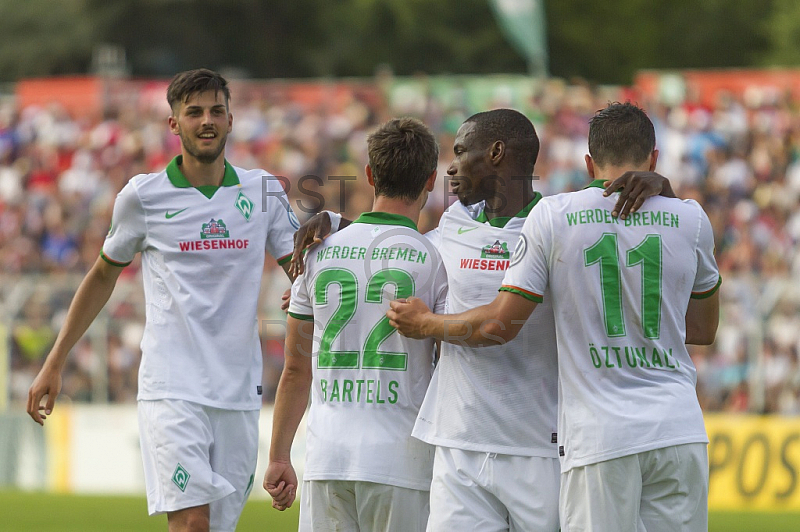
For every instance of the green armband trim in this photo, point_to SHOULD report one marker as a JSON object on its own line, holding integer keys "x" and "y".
{"x": 707, "y": 293}
{"x": 112, "y": 261}
{"x": 536, "y": 298}
{"x": 304, "y": 317}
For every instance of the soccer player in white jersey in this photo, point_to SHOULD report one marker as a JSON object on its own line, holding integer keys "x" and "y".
{"x": 493, "y": 418}
{"x": 627, "y": 295}
{"x": 363, "y": 469}
{"x": 202, "y": 227}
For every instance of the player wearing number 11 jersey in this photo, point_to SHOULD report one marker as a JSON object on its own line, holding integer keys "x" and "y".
{"x": 627, "y": 294}
{"x": 363, "y": 469}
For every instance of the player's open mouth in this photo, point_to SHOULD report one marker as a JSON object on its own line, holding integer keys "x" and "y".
{"x": 208, "y": 135}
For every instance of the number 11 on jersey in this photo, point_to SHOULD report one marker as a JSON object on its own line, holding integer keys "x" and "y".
{"x": 648, "y": 253}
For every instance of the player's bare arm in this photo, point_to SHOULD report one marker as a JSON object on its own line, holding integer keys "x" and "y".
{"x": 495, "y": 323}
{"x": 702, "y": 319}
{"x": 291, "y": 399}
{"x": 634, "y": 188}
{"x": 92, "y": 295}
{"x": 309, "y": 234}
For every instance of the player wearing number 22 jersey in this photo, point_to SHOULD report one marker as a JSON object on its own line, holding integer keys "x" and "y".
{"x": 364, "y": 471}
{"x": 368, "y": 381}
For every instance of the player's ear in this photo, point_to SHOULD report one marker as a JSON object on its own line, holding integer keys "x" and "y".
{"x": 497, "y": 151}
{"x": 653, "y": 160}
{"x": 589, "y": 165}
{"x": 370, "y": 178}
{"x": 230, "y": 121}
{"x": 173, "y": 125}
{"x": 431, "y": 182}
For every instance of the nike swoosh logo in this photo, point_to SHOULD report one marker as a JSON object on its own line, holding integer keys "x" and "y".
{"x": 461, "y": 230}
{"x": 169, "y": 215}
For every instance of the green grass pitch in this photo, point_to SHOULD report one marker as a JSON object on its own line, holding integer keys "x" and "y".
{"x": 43, "y": 512}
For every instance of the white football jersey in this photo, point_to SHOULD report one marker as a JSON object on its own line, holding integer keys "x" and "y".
{"x": 368, "y": 380}
{"x": 500, "y": 399}
{"x": 620, "y": 291}
{"x": 202, "y": 262}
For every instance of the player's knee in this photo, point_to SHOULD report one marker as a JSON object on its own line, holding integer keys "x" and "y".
{"x": 189, "y": 520}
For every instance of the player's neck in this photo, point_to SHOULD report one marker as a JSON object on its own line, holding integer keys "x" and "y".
{"x": 397, "y": 206}
{"x": 201, "y": 174}
{"x": 510, "y": 199}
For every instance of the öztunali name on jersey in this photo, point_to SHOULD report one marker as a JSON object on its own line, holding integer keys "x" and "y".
{"x": 632, "y": 357}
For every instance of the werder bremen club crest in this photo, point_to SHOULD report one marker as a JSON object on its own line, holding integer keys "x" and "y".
{"x": 215, "y": 229}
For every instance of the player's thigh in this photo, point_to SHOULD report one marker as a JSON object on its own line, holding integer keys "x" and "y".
{"x": 528, "y": 487}
{"x": 385, "y": 508}
{"x": 328, "y": 506}
{"x": 176, "y": 440}
{"x": 233, "y": 456}
{"x": 459, "y": 501}
{"x": 675, "y": 488}
{"x": 603, "y": 496}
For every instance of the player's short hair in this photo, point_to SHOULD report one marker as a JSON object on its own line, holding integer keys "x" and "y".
{"x": 513, "y": 129}
{"x": 402, "y": 155}
{"x": 621, "y": 134}
{"x": 186, "y": 84}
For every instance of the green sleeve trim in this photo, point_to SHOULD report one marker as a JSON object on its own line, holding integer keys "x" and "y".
{"x": 283, "y": 260}
{"x": 707, "y": 293}
{"x": 304, "y": 317}
{"x": 113, "y": 262}
{"x": 536, "y": 298}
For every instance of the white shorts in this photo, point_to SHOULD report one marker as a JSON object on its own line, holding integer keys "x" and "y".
{"x": 655, "y": 491}
{"x": 354, "y": 506}
{"x": 488, "y": 492}
{"x": 195, "y": 455}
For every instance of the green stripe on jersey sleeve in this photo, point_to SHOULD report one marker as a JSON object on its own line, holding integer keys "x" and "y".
{"x": 112, "y": 261}
{"x": 283, "y": 260}
{"x": 304, "y": 317}
{"x": 536, "y": 298}
{"x": 707, "y": 293}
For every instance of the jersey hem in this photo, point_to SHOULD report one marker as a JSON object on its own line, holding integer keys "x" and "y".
{"x": 143, "y": 396}
{"x": 112, "y": 261}
{"x": 486, "y": 447}
{"x": 568, "y": 464}
{"x": 707, "y": 293}
{"x": 360, "y": 476}
{"x": 532, "y": 296}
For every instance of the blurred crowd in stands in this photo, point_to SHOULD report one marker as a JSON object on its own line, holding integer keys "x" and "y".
{"x": 59, "y": 174}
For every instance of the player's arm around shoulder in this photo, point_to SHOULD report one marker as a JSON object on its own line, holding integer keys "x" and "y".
{"x": 92, "y": 295}
{"x": 291, "y": 399}
{"x": 495, "y": 323}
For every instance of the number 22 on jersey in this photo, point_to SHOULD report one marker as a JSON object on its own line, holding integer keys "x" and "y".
{"x": 370, "y": 357}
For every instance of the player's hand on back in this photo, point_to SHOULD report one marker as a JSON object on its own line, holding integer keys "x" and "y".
{"x": 408, "y": 316}
{"x": 310, "y": 233}
{"x": 47, "y": 383}
{"x": 634, "y": 188}
{"x": 280, "y": 481}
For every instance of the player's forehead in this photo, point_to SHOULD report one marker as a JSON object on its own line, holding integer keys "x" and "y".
{"x": 465, "y": 136}
{"x": 204, "y": 99}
